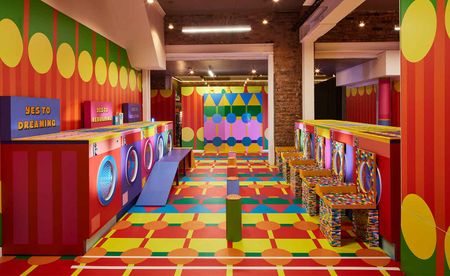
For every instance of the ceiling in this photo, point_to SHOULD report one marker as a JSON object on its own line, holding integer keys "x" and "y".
{"x": 219, "y": 67}
{"x": 200, "y": 7}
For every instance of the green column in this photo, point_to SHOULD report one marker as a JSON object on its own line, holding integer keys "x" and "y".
{"x": 234, "y": 217}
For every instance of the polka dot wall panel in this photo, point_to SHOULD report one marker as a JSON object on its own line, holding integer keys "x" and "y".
{"x": 233, "y": 122}
{"x": 44, "y": 53}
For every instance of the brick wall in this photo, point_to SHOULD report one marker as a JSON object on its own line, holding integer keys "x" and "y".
{"x": 287, "y": 56}
{"x": 379, "y": 27}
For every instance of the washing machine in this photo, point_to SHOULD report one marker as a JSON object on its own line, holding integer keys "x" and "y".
{"x": 165, "y": 129}
{"x": 149, "y": 156}
{"x": 104, "y": 180}
{"x": 131, "y": 153}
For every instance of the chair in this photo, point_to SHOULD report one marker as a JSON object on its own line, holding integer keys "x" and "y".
{"x": 325, "y": 181}
{"x": 362, "y": 203}
{"x": 315, "y": 166}
{"x": 279, "y": 151}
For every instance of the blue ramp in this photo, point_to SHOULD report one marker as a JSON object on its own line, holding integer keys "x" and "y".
{"x": 157, "y": 188}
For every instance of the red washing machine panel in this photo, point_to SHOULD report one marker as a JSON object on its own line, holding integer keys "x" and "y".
{"x": 104, "y": 183}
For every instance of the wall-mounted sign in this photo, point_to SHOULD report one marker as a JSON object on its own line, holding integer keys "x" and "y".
{"x": 24, "y": 117}
{"x": 97, "y": 114}
{"x": 131, "y": 112}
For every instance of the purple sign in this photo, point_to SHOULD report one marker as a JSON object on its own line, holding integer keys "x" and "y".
{"x": 131, "y": 112}
{"x": 97, "y": 114}
{"x": 24, "y": 117}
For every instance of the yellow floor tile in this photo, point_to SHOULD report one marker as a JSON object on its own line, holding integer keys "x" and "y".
{"x": 208, "y": 245}
{"x": 253, "y": 245}
{"x": 121, "y": 244}
{"x": 252, "y": 218}
{"x": 284, "y": 218}
{"x": 296, "y": 245}
{"x": 177, "y": 218}
{"x": 142, "y": 218}
{"x": 164, "y": 245}
{"x": 348, "y": 246}
{"x": 211, "y": 218}
{"x": 314, "y": 219}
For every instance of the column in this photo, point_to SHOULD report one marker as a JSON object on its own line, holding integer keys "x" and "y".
{"x": 384, "y": 102}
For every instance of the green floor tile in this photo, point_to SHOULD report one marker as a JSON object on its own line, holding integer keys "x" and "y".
{"x": 249, "y": 201}
{"x": 214, "y": 201}
{"x": 275, "y": 201}
{"x": 186, "y": 201}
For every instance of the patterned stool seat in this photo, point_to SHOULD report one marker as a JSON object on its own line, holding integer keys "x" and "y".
{"x": 330, "y": 184}
{"x": 349, "y": 201}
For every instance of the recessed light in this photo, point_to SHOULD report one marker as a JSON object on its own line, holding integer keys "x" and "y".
{"x": 317, "y": 70}
{"x": 265, "y": 21}
{"x": 397, "y": 28}
{"x": 150, "y": 1}
{"x": 217, "y": 29}
{"x": 362, "y": 24}
{"x": 191, "y": 71}
{"x": 253, "y": 71}
{"x": 276, "y": 1}
{"x": 171, "y": 26}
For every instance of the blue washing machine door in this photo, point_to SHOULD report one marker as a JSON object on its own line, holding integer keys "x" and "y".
{"x": 106, "y": 180}
{"x": 148, "y": 155}
{"x": 160, "y": 147}
{"x": 132, "y": 165}
{"x": 169, "y": 142}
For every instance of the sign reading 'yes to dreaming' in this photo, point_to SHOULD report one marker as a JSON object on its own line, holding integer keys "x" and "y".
{"x": 25, "y": 116}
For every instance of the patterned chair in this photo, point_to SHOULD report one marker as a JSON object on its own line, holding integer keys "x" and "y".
{"x": 326, "y": 181}
{"x": 278, "y": 152}
{"x": 287, "y": 157}
{"x": 299, "y": 168}
{"x": 362, "y": 203}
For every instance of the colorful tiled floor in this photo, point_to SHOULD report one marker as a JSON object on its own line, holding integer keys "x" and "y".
{"x": 187, "y": 237}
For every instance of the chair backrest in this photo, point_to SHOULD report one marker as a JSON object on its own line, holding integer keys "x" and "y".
{"x": 307, "y": 145}
{"x": 320, "y": 151}
{"x": 298, "y": 136}
{"x": 366, "y": 173}
{"x": 338, "y": 160}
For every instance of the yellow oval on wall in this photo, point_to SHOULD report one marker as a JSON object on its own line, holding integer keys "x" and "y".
{"x": 11, "y": 46}
{"x": 40, "y": 53}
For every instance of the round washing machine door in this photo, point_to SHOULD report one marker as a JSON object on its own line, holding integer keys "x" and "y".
{"x": 148, "y": 155}
{"x": 106, "y": 180}
{"x": 160, "y": 147}
{"x": 169, "y": 142}
{"x": 132, "y": 165}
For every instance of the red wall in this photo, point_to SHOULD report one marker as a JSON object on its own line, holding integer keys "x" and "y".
{"x": 163, "y": 105}
{"x": 361, "y": 104}
{"x": 33, "y": 18}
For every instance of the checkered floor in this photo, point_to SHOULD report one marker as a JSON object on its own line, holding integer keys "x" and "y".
{"x": 187, "y": 237}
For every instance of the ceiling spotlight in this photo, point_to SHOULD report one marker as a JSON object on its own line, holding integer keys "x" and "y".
{"x": 276, "y": 1}
{"x": 210, "y": 72}
{"x": 362, "y": 24}
{"x": 253, "y": 71}
{"x": 397, "y": 28}
{"x": 317, "y": 70}
{"x": 191, "y": 71}
{"x": 265, "y": 21}
{"x": 171, "y": 26}
{"x": 334, "y": 75}
{"x": 150, "y": 1}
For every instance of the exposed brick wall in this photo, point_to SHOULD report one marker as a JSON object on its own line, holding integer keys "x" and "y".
{"x": 287, "y": 56}
{"x": 379, "y": 27}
